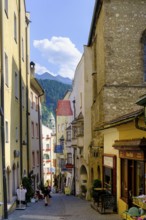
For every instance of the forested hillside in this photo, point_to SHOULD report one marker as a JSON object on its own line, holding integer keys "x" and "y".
{"x": 53, "y": 92}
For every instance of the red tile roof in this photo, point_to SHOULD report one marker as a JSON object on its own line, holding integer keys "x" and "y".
{"x": 64, "y": 108}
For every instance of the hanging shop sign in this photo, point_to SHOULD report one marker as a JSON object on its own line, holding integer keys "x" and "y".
{"x": 108, "y": 161}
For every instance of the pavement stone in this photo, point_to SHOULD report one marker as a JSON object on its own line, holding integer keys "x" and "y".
{"x": 61, "y": 207}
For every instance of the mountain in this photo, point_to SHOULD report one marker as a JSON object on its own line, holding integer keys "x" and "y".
{"x": 57, "y": 78}
{"x": 54, "y": 91}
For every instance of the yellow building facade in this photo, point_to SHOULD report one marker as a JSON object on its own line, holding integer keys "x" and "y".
{"x": 14, "y": 85}
{"x": 124, "y": 158}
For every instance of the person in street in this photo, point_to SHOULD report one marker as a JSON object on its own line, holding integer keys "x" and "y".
{"x": 46, "y": 196}
{"x": 47, "y": 191}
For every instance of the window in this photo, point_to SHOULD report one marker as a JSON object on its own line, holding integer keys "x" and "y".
{"x": 16, "y": 134}
{"x": 36, "y": 103}
{"x": 6, "y": 71}
{"x": 16, "y": 86}
{"x": 23, "y": 96}
{"x": 6, "y": 132}
{"x": 31, "y": 99}
{"x": 68, "y": 134}
{"x": 22, "y": 49}
{"x": 33, "y": 159}
{"x": 62, "y": 127}
{"x": 37, "y": 131}
{"x": 32, "y": 129}
{"x": 46, "y": 156}
{"x": 74, "y": 132}
{"x": 47, "y": 146}
{"x": 15, "y": 27}
{"x": 80, "y": 130}
{"x": 38, "y": 158}
{"x": 69, "y": 158}
{"x": 58, "y": 128}
{"x": 6, "y": 7}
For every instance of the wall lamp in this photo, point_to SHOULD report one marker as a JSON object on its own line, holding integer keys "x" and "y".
{"x": 142, "y": 102}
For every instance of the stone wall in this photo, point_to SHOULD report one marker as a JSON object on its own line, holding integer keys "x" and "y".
{"x": 119, "y": 57}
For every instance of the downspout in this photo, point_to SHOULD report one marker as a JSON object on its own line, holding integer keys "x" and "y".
{"x": 40, "y": 135}
{"x": 20, "y": 90}
{"x": 27, "y": 98}
{"x": 74, "y": 152}
{"x": 137, "y": 125}
{"x": 5, "y": 211}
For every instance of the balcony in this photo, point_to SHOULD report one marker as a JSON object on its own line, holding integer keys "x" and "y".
{"x": 46, "y": 160}
{"x": 69, "y": 166}
{"x": 80, "y": 141}
{"x": 74, "y": 142}
{"x": 48, "y": 149}
{"x": 47, "y": 137}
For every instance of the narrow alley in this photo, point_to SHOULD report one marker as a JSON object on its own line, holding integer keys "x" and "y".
{"x": 61, "y": 207}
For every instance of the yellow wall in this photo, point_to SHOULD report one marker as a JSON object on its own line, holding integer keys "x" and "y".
{"x": 122, "y": 132}
{"x": 11, "y": 103}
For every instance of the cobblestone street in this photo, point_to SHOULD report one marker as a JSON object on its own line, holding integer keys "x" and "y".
{"x": 61, "y": 207}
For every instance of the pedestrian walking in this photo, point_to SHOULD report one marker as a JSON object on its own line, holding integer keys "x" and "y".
{"x": 47, "y": 191}
{"x": 46, "y": 196}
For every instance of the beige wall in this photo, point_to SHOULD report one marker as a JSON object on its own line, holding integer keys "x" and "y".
{"x": 16, "y": 65}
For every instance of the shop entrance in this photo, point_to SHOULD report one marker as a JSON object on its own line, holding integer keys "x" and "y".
{"x": 132, "y": 179}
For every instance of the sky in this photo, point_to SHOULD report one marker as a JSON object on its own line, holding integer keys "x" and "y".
{"x": 59, "y": 29}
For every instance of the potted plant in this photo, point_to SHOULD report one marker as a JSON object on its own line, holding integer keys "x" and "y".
{"x": 94, "y": 191}
{"x": 26, "y": 182}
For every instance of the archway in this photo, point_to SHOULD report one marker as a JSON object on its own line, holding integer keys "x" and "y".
{"x": 83, "y": 180}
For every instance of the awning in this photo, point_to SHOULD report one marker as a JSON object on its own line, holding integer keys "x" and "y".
{"x": 132, "y": 144}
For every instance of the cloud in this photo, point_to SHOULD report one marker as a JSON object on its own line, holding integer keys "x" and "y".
{"x": 61, "y": 52}
{"x": 41, "y": 69}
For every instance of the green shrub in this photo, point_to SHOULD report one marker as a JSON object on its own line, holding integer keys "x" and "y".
{"x": 97, "y": 183}
{"x": 27, "y": 183}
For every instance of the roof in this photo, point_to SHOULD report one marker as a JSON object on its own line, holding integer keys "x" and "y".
{"x": 80, "y": 118}
{"x": 96, "y": 12}
{"x": 64, "y": 108}
{"x": 120, "y": 120}
{"x": 36, "y": 85}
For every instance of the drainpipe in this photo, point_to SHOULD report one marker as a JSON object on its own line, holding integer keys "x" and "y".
{"x": 20, "y": 91}
{"x": 74, "y": 152}
{"x": 5, "y": 211}
{"x": 137, "y": 125}
{"x": 27, "y": 97}
{"x": 40, "y": 136}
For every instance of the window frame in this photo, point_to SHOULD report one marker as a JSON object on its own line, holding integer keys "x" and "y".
{"x": 15, "y": 27}
{"x": 6, "y": 132}
{"x": 6, "y": 70}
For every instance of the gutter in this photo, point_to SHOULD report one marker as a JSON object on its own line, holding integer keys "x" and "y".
{"x": 119, "y": 121}
{"x": 5, "y": 210}
{"x": 96, "y": 13}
